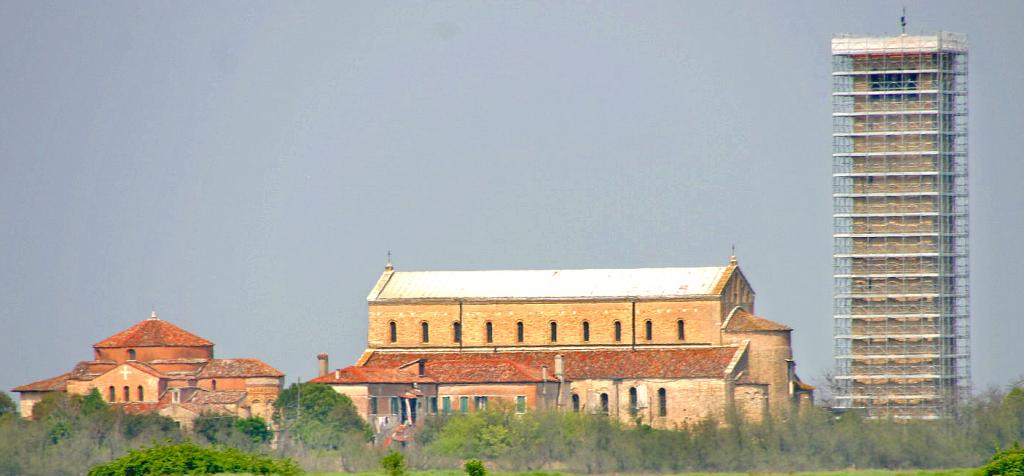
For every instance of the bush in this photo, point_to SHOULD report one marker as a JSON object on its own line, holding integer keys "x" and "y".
{"x": 1009, "y": 462}
{"x": 393, "y": 463}
{"x": 475, "y": 467}
{"x": 189, "y": 458}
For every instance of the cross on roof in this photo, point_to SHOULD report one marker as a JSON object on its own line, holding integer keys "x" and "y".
{"x": 125, "y": 371}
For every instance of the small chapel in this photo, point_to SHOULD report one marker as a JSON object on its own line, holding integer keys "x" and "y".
{"x": 156, "y": 366}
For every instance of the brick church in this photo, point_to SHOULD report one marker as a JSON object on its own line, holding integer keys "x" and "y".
{"x": 155, "y": 366}
{"x": 665, "y": 346}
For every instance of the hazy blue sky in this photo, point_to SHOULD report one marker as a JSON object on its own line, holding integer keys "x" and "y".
{"x": 244, "y": 167}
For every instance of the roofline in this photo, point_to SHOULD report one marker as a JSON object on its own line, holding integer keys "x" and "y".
{"x": 99, "y": 345}
{"x": 490, "y": 300}
{"x": 367, "y": 354}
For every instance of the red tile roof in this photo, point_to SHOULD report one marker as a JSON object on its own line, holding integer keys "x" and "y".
{"x": 740, "y": 320}
{"x": 224, "y": 397}
{"x": 481, "y": 367}
{"x": 58, "y": 383}
{"x": 220, "y": 368}
{"x": 153, "y": 333}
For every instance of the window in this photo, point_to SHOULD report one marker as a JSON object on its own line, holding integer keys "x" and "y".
{"x": 373, "y": 405}
{"x": 680, "y": 330}
{"x": 521, "y": 404}
{"x": 396, "y": 406}
{"x": 604, "y": 403}
{"x": 421, "y": 367}
{"x": 111, "y": 396}
{"x": 480, "y": 403}
{"x": 140, "y": 394}
{"x": 575, "y": 403}
{"x": 394, "y": 331}
{"x": 633, "y": 400}
{"x": 649, "y": 330}
{"x": 463, "y": 404}
{"x": 446, "y": 404}
{"x": 213, "y": 384}
{"x": 663, "y": 401}
{"x": 519, "y": 332}
{"x": 586, "y": 331}
{"x": 425, "y": 332}
{"x": 554, "y": 331}
{"x": 175, "y": 395}
{"x": 457, "y": 332}
{"x": 618, "y": 331}
{"x": 490, "y": 332}
{"x": 432, "y": 403}
{"x": 126, "y": 394}
{"x": 131, "y": 354}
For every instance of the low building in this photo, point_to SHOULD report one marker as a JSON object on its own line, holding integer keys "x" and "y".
{"x": 665, "y": 346}
{"x": 155, "y": 366}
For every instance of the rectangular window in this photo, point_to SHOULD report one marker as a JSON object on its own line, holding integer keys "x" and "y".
{"x": 432, "y": 401}
{"x": 463, "y": 404}
{"x": 446, "y": 404}
{"x": 396, "y": 406}
{"x": 481, "y": 403}
{"x": 521, "y": 404}
{"x": 373, "y": 405}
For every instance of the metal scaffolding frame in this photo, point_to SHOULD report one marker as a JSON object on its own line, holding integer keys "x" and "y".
{"x": 900, "y": 217}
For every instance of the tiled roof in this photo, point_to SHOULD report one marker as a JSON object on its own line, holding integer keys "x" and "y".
{"x": 565, "y": 284}
{"x": 219, "y": 368}
{"x": 58, "y": 383}
{"x": 222, "y": 397}
{"x": 437, "y": 370}
{"x": 479, "y": 367}
{"x": 153, "y": 333}
{"x": 740, "y": 320}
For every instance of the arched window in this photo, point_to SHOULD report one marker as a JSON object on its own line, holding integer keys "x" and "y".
{"x": 141, "y": 396}
{"x": 554, "y": 331}
{"x": 111, "y": 396}
{"x": 213, "y": 384}
{"x": 575, "y": 403}
{"x": 604, "y": 403}
{"x": 126, "y": 394}
{"x": 489, "y": 331}
{"x": 663, "y": 401}
{"x": 457, "y": 332}
{"x": 425, "y": 331}
{"x": 131, "y": 354}
{"x": 586, "y": 331}
{"x": 393, "y": 328}
{"x": 680, "y": 330}
{"x": 519, "y": 331}
{"x": 618, "y": 331}
{"x": 649, "y": 329}
{"x": 633, "y": 407}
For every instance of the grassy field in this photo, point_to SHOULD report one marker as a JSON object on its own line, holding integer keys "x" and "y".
{"x": 866, "y": 472}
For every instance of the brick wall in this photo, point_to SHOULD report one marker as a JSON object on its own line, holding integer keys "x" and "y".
{"x": 688, "y": 401}
{"x": 767, "y": 363}
{"x": 120, "y": 354}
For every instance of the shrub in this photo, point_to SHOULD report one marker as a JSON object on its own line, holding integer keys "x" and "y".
{"x": 393, "y": 463}
{"x": 1009, "y": 462}
{"x": 475, "y": 467}
{"x": 189, "y": 458}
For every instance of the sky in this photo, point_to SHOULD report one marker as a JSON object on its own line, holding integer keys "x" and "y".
{"x": 244, "y": 168}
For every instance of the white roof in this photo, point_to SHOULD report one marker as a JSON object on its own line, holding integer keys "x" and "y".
{"x": 942, "y": 41}
{"x": 547, "y": 284}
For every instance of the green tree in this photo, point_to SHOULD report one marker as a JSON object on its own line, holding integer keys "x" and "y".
{"x": 93, "y": 403}
{"x": 189, "y": 458}
{"x": 475, "y": 467}
{"x": 7, "y": 406}
{"x": 214, "y": 427}
{"x": 393, "y": 463}
{"x": 254, "y": 428}
{"x": 317, "y": 416}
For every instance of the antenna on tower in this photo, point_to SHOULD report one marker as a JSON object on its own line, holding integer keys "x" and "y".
{"x": 903, "y": 21}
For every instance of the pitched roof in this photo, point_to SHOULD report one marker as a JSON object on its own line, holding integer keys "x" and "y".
{"x": 740, "y": 320}
{"x": 219, "y": 368}
{"x": 220, "y": 397}
{"x": 153, "y": 332}
{"x": 58, "y": 383}
{"x": 469, "y": 366}
{"x": 568, "y": 284}
{"x": 438, "y": 370}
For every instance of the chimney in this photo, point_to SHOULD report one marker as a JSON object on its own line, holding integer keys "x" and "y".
{"x": 559, "y": 367}
{"x": 322, "y": 357}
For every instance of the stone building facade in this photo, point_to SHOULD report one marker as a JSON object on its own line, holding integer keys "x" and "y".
{"x": 665, "y": 346}
{"x": 155, "y": 366}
